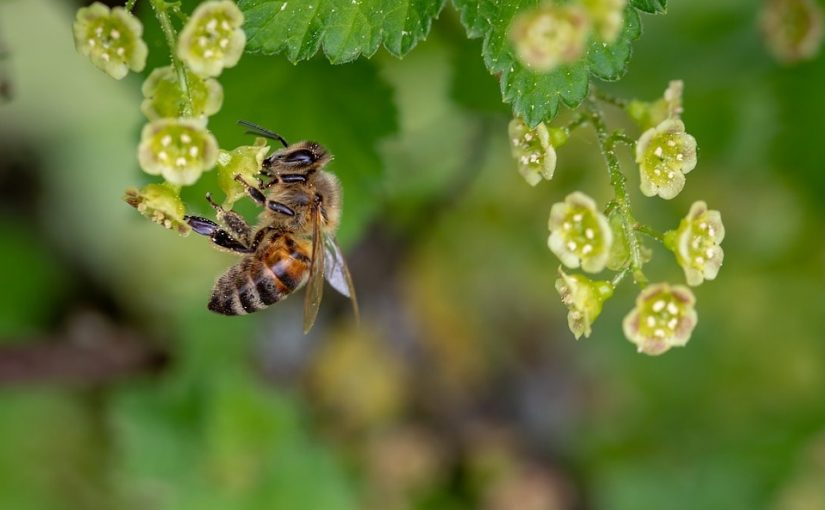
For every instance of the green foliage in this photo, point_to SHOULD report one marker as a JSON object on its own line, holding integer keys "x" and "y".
{"x": 651, "y": 6}
{"x": 344, "y": 29}
{"x": 536, "y": 97}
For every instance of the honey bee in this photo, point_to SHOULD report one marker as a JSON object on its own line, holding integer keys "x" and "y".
{"x": 294, "y": 243}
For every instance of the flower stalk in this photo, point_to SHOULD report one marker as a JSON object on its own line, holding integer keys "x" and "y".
{"x": 161, "y": 9}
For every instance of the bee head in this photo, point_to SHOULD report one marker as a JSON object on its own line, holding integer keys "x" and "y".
{"x": 297, "y": 158}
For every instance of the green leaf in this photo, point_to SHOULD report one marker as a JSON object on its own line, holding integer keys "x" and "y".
{"x": 536, "y": 96}
{"x": 345, "y": 29}
{"x": 650, "y": 6}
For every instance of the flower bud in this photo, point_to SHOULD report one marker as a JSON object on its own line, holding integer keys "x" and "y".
{"x": 583, "y": 298}
{"x": 669, "y": 106}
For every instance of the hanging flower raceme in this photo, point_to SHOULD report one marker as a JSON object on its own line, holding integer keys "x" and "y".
{"x": 550, "y": 35}
{"x": 160, "y": 203}
{"x": 579, "y": 234}
{"x": 665, "y": 154}
{"x": 111, "y": 38}
{"x": 584, "y": 299}
{"x": 607, "y": 17}
{"x": 212, "y": 38}
{"x": 534, "y": 149}
{"x": 792, "y": 29}
{"x": 664, "y": 317}
{"x": 244, "y": 161}
{"x": 178, "y": 149}
{"x": 164, "y": 98}
{"x": 696, "y": 243}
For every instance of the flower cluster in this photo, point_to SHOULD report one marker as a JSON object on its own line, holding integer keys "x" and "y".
{"x": 579, "y": 234}
{"x": 111, "y": 38}
{"x": 556, "y": 34}
{"x": 664, "y": 317}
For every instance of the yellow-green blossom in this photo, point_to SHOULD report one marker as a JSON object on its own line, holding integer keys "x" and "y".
{"x": 212, "y": 38}
{"x": 111, "y": 38}
{"x": 607, "y": 17}
{"x": 550, "y": 35}
{"x": 160, "y": 203}
{"x": 792, "y": 29}
{"x": 178, "y": 149}
{"x": 164, "y": 98}
{"x": 665, "y": 154}
{"x": 696, "y": 243}
{"x": 244, "y": 161}
{"x": 584, "y": 299}
{"x": 579, "y": 234}
{"x": 533, "y": 150}
{"x": 651, "y": 114}
{"x": 664, "y": 317}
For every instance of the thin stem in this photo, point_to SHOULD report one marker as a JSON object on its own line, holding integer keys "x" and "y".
{"x": 130, "y": 4}
{"x": 578, "y": 121}
{"x": 651, "y": 233}
{"x": 618, "y": 181}
{"x": 161, "y": 9}
{"x": 609, "y": 98}
{"x": 620, "y": 276}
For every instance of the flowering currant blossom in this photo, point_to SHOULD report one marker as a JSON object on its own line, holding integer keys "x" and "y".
{"x": 664, "y": 317}
{"x": 111, "y": 38}
{"x": 665, "y": 154}
{"x": 607, "y": 17}
{"x": 178, "y": 149}
{"x": 244, "y": 161}
{"x": 583, "y": 298}
{"x": 579, "y": 233}
{"x": 550, "y": 35}
{"x": 161, "y": 204}
{"x": 164, "y": 98}
{"x": 533, "y": 150}
{"x": 212, "y": 38}
{"x": 696, "y": 243}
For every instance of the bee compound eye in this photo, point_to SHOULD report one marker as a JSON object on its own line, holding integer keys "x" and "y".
{"x": 302, "y": 156}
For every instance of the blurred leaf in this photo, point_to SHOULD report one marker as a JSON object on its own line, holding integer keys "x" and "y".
{"x": 303, "y": 102}
{"x": 344, "y": 29}
{"x": 651, "y": 6}
{"x": 536, "y": 96}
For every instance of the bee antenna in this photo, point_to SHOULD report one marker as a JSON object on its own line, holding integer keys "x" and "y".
{"x": 255, "y": 129}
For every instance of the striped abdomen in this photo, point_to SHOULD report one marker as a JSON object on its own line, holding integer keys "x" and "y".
{"x": 278, "y": 268}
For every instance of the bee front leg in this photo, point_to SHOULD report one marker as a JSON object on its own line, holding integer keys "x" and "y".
{"x": 220, "y": 237}
{"x": 260, "y": 199}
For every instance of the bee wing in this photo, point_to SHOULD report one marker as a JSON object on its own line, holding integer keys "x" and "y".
{"x": 337, "y": 273}
{"x": 315, "y": 286}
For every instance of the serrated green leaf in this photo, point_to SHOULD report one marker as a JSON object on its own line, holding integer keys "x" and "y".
{"x": 536, "y": 96}
{"x": 344, "y": 29}
{"x": 650, "y": 6}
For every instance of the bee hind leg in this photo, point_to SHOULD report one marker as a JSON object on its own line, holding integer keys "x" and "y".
{"x": 219, "y": 237}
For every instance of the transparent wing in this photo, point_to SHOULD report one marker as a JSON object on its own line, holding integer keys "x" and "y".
{"x": 315, "y": 286}
{"x": 337, "y": 272}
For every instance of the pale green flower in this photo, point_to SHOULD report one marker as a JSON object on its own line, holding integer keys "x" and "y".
{"x": 212, "y": 38}
{"x": 792, "y": 29}
{"x": 607, "y": 17}
{"x": 178, "y": 149}
{"x": 584, "y": 299}
{"x": 160, "y": 203}
{"x": 533, "y": 150}
{"x": 549, "y": 36}
{"x": 111, "y": 38}
{"x": 696, "y": 243}
{"x": 164, "y": 98}
{"x": 665, "y": 154}
{"x": 664, "y": 317}
{"x": 579, "y": 234}
{"x": 245, "y": 161}
{"x": 669, "y": 106}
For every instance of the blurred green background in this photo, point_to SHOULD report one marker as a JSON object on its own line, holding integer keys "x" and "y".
{"x": 462, "y": 388}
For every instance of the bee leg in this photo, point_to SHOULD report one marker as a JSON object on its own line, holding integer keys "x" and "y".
{"x": 234, "y": 222}
{"x": 253, "y": 192}
{"x": 219, "y": 236}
